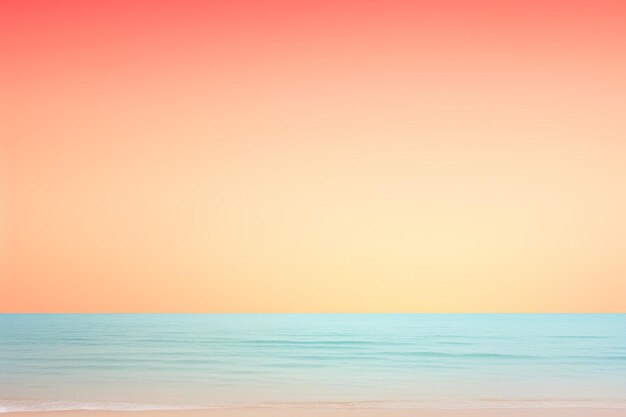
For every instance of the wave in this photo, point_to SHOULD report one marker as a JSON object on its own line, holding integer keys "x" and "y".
{"x": 15, "y": 405}
{"x": 12, "y": 406}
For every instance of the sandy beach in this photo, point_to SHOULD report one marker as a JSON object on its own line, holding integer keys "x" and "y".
{"x": 264, "y": 412}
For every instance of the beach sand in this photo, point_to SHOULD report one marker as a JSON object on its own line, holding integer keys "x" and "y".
{"x": 266, "y": 412}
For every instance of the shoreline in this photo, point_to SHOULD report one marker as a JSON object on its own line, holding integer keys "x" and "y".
{"x": 327, "y": 412}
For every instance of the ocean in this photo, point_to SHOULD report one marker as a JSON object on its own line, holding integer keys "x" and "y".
{"x": 195, "y": 361}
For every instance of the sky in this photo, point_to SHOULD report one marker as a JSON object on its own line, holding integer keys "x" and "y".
{"x": 312, "y": 156}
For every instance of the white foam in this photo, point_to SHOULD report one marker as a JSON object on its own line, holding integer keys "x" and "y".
{"x": 11, "y": 406}
{"x": 17, "y": 405}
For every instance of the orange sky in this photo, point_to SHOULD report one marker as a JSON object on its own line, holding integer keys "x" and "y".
{"x": 313, "y": 156}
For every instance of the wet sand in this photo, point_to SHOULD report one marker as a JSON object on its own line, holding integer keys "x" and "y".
{"x": 267, "y": 412}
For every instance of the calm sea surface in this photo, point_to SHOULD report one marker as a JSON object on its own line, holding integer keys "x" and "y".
{"x": 174, "y": 361}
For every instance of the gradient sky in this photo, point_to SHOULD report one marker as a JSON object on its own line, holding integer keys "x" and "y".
{"x": 313, "y": 156}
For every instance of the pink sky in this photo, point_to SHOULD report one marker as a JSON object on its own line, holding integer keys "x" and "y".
{"x": 313, "y": 156}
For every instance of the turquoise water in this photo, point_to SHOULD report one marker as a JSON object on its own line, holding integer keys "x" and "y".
{"x": 379, "y": 360}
